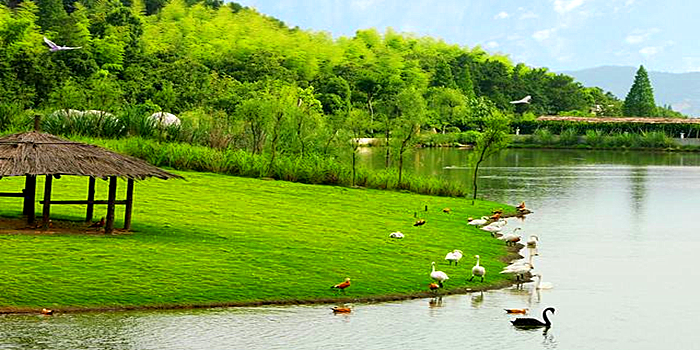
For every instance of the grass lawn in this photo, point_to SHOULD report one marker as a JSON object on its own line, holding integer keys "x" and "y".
{"x": 216, "y": 239}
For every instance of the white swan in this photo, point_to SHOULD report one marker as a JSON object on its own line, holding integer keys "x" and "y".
{"x": 518, "y": 271}
{"x": 541, "y": 285}
{"x": 500, "y": 223}
{"x": 477, "y": 270}
{"x": 397, "y": 235}
{"x": 519, "y": 268}
{"x": 521, "y": 262}
{"x": 511, "y": 238}
{"x": 532, "y": 245}
{"x": 438, "y": 275}
{"x": 478, "y": 222}
{"x": 492, "y": 229}
{"x": 454, "y": 256}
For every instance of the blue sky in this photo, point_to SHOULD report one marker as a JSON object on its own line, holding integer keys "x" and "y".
{"x": 559, "y": 34}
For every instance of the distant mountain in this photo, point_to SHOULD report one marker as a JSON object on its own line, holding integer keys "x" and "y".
{"x": 680, "y": 90}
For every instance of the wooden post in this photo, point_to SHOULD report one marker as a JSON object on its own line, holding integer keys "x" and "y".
{"x": 29, "y": 198}
{"x": 91, "y": 197}
{"x": 111, "y": 198}
{"x": 129, "y": 203}
{"x": 47, "y": 202}
{"x": 37, "y": 122}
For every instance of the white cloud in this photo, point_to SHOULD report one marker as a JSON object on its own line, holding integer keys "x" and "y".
{"x": 634, "y": 38}
{"x": 544, "y": 34}
{"x": 529, "y": 15}
{"x": 650, "y": 50}
{"x": 502, "y": 15}
{"x": 564, "y": 6}
{"x": 639, "y": 36}
{"x": 363, "y": 4}
{"x": 492, "y": 45}
{"x": 513, "y": 37}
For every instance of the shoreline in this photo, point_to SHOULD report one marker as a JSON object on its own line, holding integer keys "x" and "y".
{"x": 127, "y": 252}
{"x": 513, "y": 253}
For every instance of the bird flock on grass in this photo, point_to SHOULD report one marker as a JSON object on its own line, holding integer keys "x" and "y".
{"x": 520, "y": 269}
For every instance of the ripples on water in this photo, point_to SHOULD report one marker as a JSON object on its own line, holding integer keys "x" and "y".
{"x": 617, "y": 239}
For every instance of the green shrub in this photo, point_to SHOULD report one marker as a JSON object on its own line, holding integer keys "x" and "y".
{"x": 569, "y": 137}
{"x": 543, "y": 137}
{"x": 311, "y": 169}
{"x": 624, "y": 139}
{"x": 655, "y": 139}
{"x": 594, "y": 138}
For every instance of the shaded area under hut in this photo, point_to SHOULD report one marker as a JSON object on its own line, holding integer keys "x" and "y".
{"x": 33, "y": 154}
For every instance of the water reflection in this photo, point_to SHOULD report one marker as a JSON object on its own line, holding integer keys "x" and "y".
{"x": 435, "y": 302}
{"x": 477, "y": 299}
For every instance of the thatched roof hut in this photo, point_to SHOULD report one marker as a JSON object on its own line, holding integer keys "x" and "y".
{"x": 33, "y": 154}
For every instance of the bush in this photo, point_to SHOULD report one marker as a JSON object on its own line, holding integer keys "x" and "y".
{"x": 569, "y": 137}
{"x": 83, "y": 123}
{"x": 594, "y": 138}
{"x": 311, "y": 169}
{"x": 624, "y": 139}
{"x": 543, "y": 137}
{"x": 655, "y": 139}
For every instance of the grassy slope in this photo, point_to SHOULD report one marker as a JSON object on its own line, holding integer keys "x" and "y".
{"x": 219, "y": 239}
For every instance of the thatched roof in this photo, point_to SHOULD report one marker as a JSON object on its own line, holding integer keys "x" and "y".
{"x": 35, "y": 153}
{"x": 622, "y": 120}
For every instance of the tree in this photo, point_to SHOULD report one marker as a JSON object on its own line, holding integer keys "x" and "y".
{"x": 412, "y": 111}
{"x": 449, "y": 107}
{"x": 492, "y": 140}
{"x": 640, "y": 99}
{"x": 306, "y": 116}
{"x": 256, "y": 114}
{"x": 357, "y": 125}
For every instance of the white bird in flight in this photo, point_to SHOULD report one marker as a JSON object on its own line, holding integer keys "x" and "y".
{"x": 525, "y": 99}
{"x": 53, "y": 47}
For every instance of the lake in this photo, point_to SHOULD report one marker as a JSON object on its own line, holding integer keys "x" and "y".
{"x": 617, "y": 240}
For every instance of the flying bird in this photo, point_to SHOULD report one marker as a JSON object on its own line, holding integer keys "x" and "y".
{"x": 53, "y": 47}
{"x": 525, "y": 99}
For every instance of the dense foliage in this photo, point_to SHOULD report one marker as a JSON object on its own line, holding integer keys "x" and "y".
{"x": 239, "y": 79}
{"x": 189, "y": 56}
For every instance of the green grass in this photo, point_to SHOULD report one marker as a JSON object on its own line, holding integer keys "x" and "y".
{"x": 220, "y": 239}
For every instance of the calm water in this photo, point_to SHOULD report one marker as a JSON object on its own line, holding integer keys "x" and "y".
{"x": 618, "y": 239}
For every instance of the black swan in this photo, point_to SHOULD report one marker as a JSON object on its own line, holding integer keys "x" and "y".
{"x": 533, "y": 322}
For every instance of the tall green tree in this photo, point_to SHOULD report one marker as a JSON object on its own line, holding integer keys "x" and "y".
{"x": 492, "y": 140}
{"x": 357, "y": 125}
{"x": 640, "y": 100}
{"x": 448, "y": 106}
{"x": 412, "y": 109}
